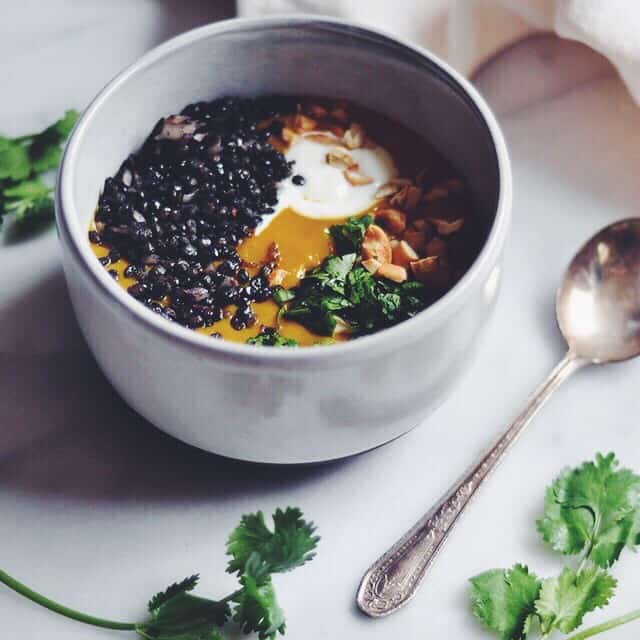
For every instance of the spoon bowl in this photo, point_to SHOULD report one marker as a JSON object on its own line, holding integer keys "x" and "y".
{"x": 598, "y": 302}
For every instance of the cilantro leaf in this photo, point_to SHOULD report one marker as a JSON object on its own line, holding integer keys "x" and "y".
{"x": 594, "y": 509}
{"x": 377, "y": 302}
{"x": 22, "y": 160}
{"x": 504, "y": 600}
{"x": 192, "y": 634}
{"x": 183, "y": 616}
{"x": 282, "y": 295}
{"x": 348, "y": 237}
{"x": 30, "y": 201}
{"x": 188, "y": 584}
{"x": 330, "y": 276}
{"x": 564, "y": 601}
{"x": 44, "y": 150}
{"x": 290, "y": 545}
{"x": 14, "y": 160}
{"x": 257, "y": 608}
{"x": 321, "y": 294}
{"x": 362, "y": 291}
{"x": 317, "y": 311}
{"x": 64, "y": 126}
{"x": 271, "y": 338}
{"x": 47, "y": 158}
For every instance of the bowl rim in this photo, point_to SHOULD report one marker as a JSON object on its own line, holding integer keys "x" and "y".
{"x": 74, "y": 237}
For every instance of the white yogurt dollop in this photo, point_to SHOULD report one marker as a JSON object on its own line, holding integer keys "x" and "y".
{"x": 326, "y": 193}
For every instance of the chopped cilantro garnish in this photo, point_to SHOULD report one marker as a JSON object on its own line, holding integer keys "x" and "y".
{"x": 282, "y": 295}
{"x": 339, "y": 288}
{"x": 347, "y": 237}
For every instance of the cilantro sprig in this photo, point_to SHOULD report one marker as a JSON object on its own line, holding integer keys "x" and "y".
{"x": 23, "y": 161}
{"x": 256, "y": 553}
{"x": 591, "y": 512}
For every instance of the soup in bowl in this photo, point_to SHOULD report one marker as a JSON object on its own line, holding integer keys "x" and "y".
{"x": 284, "y": 221}
{"x": 282, "y": 237}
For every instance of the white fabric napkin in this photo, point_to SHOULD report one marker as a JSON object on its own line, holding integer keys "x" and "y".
{"x": 466, "y": 32}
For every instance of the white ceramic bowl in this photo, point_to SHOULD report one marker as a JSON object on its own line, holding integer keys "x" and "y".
{"x": 268, "y": 404}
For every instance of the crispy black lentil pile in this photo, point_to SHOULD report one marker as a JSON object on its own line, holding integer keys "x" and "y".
{"x": 199, "y": 184}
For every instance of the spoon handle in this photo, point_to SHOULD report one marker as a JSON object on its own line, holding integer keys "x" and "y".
{"x": 395, "y": 577}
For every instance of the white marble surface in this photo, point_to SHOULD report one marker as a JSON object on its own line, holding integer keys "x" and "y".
{"x": 99, "y": 509}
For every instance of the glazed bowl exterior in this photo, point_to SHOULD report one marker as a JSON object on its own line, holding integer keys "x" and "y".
{"x": 282, "y": 405}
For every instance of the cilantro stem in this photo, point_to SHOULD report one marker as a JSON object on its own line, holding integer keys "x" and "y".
{"x": 606, "y": 626}
{"x": 589, "y": 549}
{"x": 583, "y": 562}
{"x": 23, "y": 590}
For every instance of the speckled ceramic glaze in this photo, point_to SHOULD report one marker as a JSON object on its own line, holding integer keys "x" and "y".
{"x": 268, "y": 404}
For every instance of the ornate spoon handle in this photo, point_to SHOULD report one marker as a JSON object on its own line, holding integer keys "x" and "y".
{"x": 395, "y": 577}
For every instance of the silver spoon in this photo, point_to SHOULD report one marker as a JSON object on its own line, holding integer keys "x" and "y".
{"x": 598, "y": 311}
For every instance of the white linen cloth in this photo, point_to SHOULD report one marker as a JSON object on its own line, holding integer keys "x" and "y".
{"x": 467, "y": 32}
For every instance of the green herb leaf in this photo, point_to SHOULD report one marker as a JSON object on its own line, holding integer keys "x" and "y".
{"x": 44, "y": 150}
{"x": 178, "y": 615}
{"x": 14, "y": 160}
{"x": 29, "y": 200}
{"x": 317, "y": 311}
{"x": 594, "y": 509}
{"x": 564, "y": 601}
{"x": 188, "y": 584}
{"x": 330, "y": 276}
{"x": 290, "y": 545}
{"x": 186, "y": 617}
{"x": 22, "y": 193}
{"x": 321, "y": 294}
{"x": 282, "y": 295}
{"x": 257, "y": 608}
{"x": 64, "y": 126}
{"x": 378, "y": 303}
{"x": 504, "y": 600}
{"x": 272, "y": 338}
{"x": 347, "y": 237}
{"x": 48, "y": 158}
{"x": 193, "y": 634}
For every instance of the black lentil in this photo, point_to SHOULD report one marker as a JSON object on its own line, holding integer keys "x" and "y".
{"x": 132, "y": 271}
{"x": 243, "y": 318}
{"x": 200, "y": 183}
{"x": 298, "y": 180}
